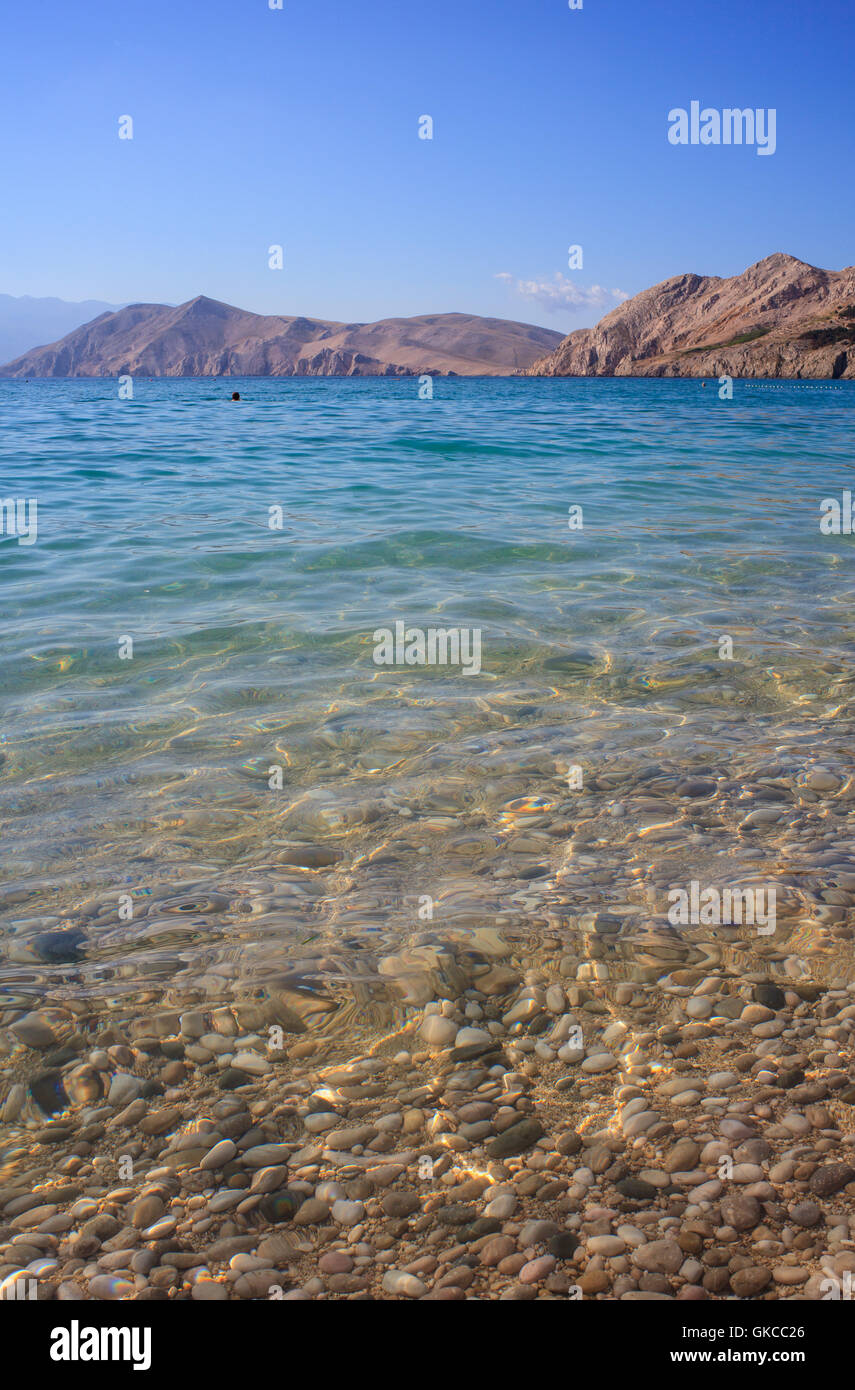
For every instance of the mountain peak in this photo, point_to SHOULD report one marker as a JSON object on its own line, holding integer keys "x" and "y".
{"x": 201, "y": 304}
{"x": 780, "y": 318}
{"x": 779, "y": 260}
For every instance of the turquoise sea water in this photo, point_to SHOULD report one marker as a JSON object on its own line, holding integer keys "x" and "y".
{"x": 252, "y": 650}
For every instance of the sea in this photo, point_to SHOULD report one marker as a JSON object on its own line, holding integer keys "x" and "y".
{"x": 346, "y": 696}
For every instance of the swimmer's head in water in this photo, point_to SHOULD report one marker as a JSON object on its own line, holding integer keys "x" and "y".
{"x": 235, "y": 395}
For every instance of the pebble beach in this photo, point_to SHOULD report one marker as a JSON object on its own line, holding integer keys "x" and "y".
{"x": 322, "y": 980}
{"x": 538, "y": 1131}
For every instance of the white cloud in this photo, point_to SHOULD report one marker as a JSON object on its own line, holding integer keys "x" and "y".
{"x": 560, "y": 293}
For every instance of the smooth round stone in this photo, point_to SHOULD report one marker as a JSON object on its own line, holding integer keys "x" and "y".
{"x": 331, "y": 1192}
{"x": 606, "y": 1245}
{"x": 476, "y": 1132}
{"x": 769, "y": 994}
{"x": 399, "y": 1204}
{"x": 819, "y": 780}
{"x": 722, "y": 1081}
{"x": 34, "y": 1216}
{"x": 735, "y": 1129}
{"x": 496, "y": 1249}
{"x": 123, "y": 1089}
{"x": 501, "y": 1207}
{"x": 806, "y": 1213}
{"x": 756, "y": 1013}
{"x": 34, "y": 1030}
{"x": 747, "y": 1172}
{"x": 696, "y": 786}
{"x": 637, "y": 1124}
{"x": 795, "y": 1123}
{"x": 146, "y": 1210}
{"x": 676, "y": 1085}
{"x": 106, "y": 1286}
{"x": 311, "y": 1212}
{"x": 599, "y": 1062}
{"x": 537, "y": 1231}
{"x": 286, "y": 1206}
{"x": 219, "y": 1156}
{"x": 225, "y": 1200}
{"x": 15, "y": 1102}
{"x": 782, "y": 1171}
{"x": 321, "y": 1122}
{"x": 345, "y": 1140}
{"x": 395, "y": 1281}
{"x": 685, "y": 1099}
{"x": 257, "y": 1283}
{"x": 657, "y": 1177}
{"x": 83, "y": 1209}
{"x": 772, "y": 1029}
{"x": 246, "y": 1264}
{"x": 437, "y": 1032}
{"x": 468, "y": 1036}
{"x": 209, "y": 1291}
{"x": 515, "y": 1140}
{"x": 336, "y": 1262}
{"x": 750, "y": 1281}
{"x": 741, "y": 1211}
{"x": 276, "y": 1250}
{"x": 536, "y": 1270}
{"x": 348, "y": 1213}
{"x": 390, "y": 1124}
{"x": 522, "y": 1012}
{"x": 83, "y": 1086}
{"x": 563, "y": 1246}
{"x": 707, "y": 1191}
{"x": 699, "y": 1008}
{"x": 266, "y": 1155}
{"x": 682, "y": 1157}
{"x": 192, "y": 1025}
{"x": 631, "y": 1235}
{"x": 233, "y": 1077}
{"x": 831, "y": 1178}
{"x": 764, "y": 815}
{"x": 161, "y": 1229}
{"x": 252, "y": 1062}
{"x": 476, "y": 1110}
{"x": 659, "y": 1257}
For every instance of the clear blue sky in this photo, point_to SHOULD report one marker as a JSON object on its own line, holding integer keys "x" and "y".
{"x": 300, "y": 127}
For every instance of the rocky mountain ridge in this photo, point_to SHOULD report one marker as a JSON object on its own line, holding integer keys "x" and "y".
{"x": 779, "y": 318}
{"x": 205, "y": 337}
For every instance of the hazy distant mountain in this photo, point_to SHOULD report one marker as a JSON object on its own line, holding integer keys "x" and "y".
{"x": 206, "y": 338}
{"x": 779, "y": 318}
{"x": 25, "y": 321}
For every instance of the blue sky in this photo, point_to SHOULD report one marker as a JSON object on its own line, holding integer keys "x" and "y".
{"x": 300, "y": 127}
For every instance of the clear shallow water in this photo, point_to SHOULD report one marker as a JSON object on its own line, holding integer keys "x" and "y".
{"x": 253, "y": 649}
